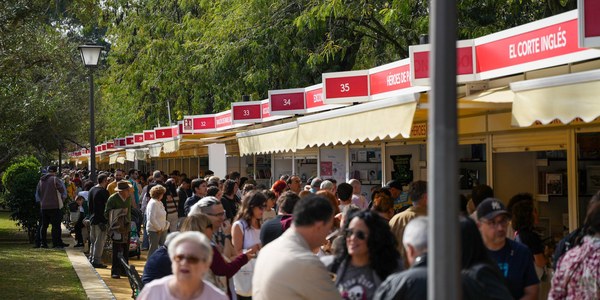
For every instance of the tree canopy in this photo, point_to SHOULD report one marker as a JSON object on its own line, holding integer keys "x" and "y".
{"x": 198, "y": 56}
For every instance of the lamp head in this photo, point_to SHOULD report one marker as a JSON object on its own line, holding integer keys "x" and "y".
{"x": 90, "y": 54}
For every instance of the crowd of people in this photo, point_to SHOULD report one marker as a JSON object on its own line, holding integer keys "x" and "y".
{"x": 230, "y": 238}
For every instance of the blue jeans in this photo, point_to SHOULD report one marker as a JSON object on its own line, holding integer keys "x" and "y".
{"x": 145, "y": 241}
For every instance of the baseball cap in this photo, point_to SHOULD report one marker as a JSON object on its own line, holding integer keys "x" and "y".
{"x": 394, "y": 184}
{"x": 491, "y": 208}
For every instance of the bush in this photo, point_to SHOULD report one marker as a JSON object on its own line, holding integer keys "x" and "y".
{"x": 20, "y": 181}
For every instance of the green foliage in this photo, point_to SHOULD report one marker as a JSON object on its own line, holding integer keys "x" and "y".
{"x": 20, "y": 181}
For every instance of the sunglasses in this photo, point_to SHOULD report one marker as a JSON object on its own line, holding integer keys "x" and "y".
{"x": 190, "y": 258}
{"x": 217, "y": 215}
{"x": 361, "y": 235}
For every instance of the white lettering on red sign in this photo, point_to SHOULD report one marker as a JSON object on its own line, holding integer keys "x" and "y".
{"x": 398, "y": 78}
{"x": 227, "y": 119}
{"x": 318, "y": 98}
{"x": 538, "y": 44}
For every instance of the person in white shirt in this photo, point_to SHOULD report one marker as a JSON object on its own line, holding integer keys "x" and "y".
{"x": 156, "y": 219}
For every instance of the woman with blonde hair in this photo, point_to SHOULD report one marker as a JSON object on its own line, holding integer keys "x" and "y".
{"x": 221, "y": 270}
{"x": 191, "y": 256}
{"x": 156, "y": 219}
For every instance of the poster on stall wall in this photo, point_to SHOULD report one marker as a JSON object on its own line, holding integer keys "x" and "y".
{"x": 333, "y": 164}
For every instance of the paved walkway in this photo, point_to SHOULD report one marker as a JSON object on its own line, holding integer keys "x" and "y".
{"x": 92, "y": 282}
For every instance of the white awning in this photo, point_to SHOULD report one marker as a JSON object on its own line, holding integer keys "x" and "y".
{"x": 369, "y": 121}
{"x": 130, "y": 154}
{"x": 154, "y": 150}
{"x": 170, "y": 146}
{"x": 493, "y": 95}
{"x": 564, "y": 97}
{"x": 273, "y": 139}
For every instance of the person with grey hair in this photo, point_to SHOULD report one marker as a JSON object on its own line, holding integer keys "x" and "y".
{"x": 327, "y": 185}
{"x": 411, "y": 283}
{"x": 158, "y": 264}
{"x": 191, "y": 255}
{"x": 212, "y": 207}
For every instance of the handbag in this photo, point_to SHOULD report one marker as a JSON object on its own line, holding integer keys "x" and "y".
{"x": 243, "y": 279}
{"x": 61, "y": 203}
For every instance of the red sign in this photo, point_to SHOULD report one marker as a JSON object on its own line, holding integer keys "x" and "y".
{"x": 314, "y": 98}
{"x": 120, "y": 142}
{"x": 245, "y": 111}
{"x": 103, "y": 147}
{"x": 589, "y": 23}
{"x": 223, "y": 119}
{"x": 464, "y": 62}
{"x": 78, "y": 153}
{"x": 204, "y": 122}
{"x": 129, "y": 140}
{"x": 110, "y": 145}
{"x": 138, "y": 138}
{"x": 390, "y": 79}
{"x": 98, "y": 148}
{"x": 282, "y": 101}
{"x": 163, "y": 132}
{"x": 346, "y": 87}
{"x": 535, "y": 45}
{"x": 149, "y": 135}
{"x": 266, "y": 109}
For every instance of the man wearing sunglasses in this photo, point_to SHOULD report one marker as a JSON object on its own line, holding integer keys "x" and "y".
{"x": 287, "y": 268}
{"x": 514, "y": 259}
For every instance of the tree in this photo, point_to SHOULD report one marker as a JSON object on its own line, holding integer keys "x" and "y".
{"x": 20, "y": 181}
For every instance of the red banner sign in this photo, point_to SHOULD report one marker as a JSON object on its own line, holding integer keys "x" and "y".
{"x": 265, "y": 109}
{"x": 223, "y": 119}
{"x": 103, "y": 147}
{"x": 391, "y": 77}
{"x": 346, "y": 87}
{"x": 589, "y": 23}
{"x": 149, "y": 135}
{"x": 551, "y": 41}
{"x": 246, "y": 112}
{"x": 419, "y": 61}
{"x": 110, "y": 145}
{"x": 286, "y": 102}
{"x": 314, "y": 97}
{"x": 129, "y": 140}
{"x": 138, "y": 138}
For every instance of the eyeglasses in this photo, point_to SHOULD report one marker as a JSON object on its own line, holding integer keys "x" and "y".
{"x": 217, "y": 214}
{"x": 190, "y": 258}
{"x": 361, "y": 235}
{"x": 492, "y": 223}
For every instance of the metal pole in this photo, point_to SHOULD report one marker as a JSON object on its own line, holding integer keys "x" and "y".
{"x": 443, "y": 238}
{"x": 169, "y": 111}
{"x": 92, "y": 131}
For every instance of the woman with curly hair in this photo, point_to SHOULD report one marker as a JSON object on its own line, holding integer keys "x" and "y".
{"x": 368, "y": 255}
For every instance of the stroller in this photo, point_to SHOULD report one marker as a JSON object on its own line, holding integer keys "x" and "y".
{"x": 134, "y": 235}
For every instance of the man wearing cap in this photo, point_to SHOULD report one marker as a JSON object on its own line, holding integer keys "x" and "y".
{"x": 121, "y": 200}
{"x": 514, "y": 259}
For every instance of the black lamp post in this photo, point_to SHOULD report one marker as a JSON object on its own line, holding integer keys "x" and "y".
{"x": 90, "y": 55}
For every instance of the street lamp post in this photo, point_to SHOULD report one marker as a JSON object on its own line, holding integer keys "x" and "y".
{"x": 90, "y": 55}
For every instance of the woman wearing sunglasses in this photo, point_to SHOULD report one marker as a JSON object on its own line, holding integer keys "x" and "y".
{"x": 191, "y": 256}
{"x": 246, "y": 235}
{"x": 367, "y": 256}
{"x": 221, "y": 270}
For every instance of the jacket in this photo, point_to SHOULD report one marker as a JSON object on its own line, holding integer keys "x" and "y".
{"x": 408, "y": 284}
{"x": 47, "y": 189}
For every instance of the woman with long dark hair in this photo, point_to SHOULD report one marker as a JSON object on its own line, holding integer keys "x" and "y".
{"x": 246, "y": 235}
{"x": 524, "y": 217}
{"x": 367, "y": 256}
